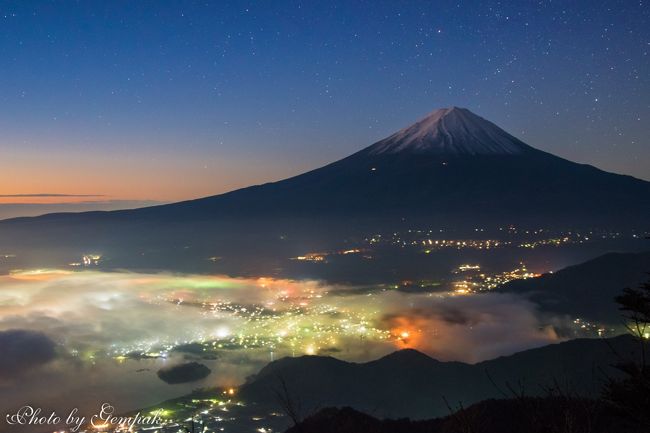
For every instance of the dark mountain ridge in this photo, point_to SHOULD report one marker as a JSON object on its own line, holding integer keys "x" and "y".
{"x": 586, "y": 290}
{"x": 410, "y": 384}
{"x": 513, "y": 415}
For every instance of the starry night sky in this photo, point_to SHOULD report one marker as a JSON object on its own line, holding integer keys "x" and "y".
{"x": 171, "y": 100}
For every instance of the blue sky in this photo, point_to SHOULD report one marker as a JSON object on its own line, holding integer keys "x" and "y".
{"x": 169, "y": 100}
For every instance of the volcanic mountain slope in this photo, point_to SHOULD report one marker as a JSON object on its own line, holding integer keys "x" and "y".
{"x": 452, "y": 167}
{"x": 452, "y": 162}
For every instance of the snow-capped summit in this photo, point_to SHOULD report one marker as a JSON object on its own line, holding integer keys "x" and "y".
{"x": 451, "y": 131}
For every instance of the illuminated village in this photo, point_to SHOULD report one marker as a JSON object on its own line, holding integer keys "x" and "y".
{"x": 294, "y": 320}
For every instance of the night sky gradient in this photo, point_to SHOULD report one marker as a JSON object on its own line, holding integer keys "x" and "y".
{"x": 169, "y": 100}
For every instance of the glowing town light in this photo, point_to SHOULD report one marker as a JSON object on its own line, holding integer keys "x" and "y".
{"x": 222, "y": 332}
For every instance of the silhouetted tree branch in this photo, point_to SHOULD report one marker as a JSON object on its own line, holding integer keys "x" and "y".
{"x": 631, "y": 395}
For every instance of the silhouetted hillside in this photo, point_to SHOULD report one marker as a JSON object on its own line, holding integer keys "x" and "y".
{"x": 586, "y": 290}
{"x": 525, "y": 415}
{"x": 410, "y": 384}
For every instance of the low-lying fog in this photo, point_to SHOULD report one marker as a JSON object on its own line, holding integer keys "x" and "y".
{"x": 76, "y": 339}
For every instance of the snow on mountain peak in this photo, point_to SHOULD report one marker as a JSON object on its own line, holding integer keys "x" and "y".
{"x": 451, "y": 131}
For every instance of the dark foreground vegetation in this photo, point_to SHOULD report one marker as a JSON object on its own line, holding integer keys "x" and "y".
{"x": 525, "y": 415}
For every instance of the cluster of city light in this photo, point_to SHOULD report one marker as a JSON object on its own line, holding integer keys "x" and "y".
{"x": 428, "y": 244}
{"x": 545, "y": 242}
{"x": 210, "y": 414}
{"x": 305, "y": 322}
{"x": 322, "y": 256}
{"x": 472, "y": 279}
{"x": 312, "y": 257}
{"x": 586, "y": 327}
{"x": 428, "y": 240}
{"x": 87, "y": 260}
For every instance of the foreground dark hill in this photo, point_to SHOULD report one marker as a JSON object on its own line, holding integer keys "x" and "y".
{"x": 410, "y": 384}
{"x": 586, "y": 290}
{"x": 545, "y": 385}
{"x": 530, "y": 415}
{"x": 452, "y": 167}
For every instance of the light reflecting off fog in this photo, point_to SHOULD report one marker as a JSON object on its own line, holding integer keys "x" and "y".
{"x": 112, "y": 331}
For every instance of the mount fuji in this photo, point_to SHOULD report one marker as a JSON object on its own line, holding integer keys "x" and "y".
{"x": 452, "y": 167}
{"x": 450, "y": 131}
{"x": 450, "y": 164}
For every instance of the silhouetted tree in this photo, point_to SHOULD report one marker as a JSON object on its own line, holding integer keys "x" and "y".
{"x": 290, "y": 404}
{"x": 631, "y": 394}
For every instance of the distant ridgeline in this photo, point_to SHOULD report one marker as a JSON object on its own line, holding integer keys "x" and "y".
{"x": 586, "y": 290}
{"x": 410, "y": 384}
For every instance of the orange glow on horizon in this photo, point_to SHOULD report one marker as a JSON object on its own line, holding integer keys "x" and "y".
{"x": 112, "y": 174}
{"x": 20, "y": 198}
